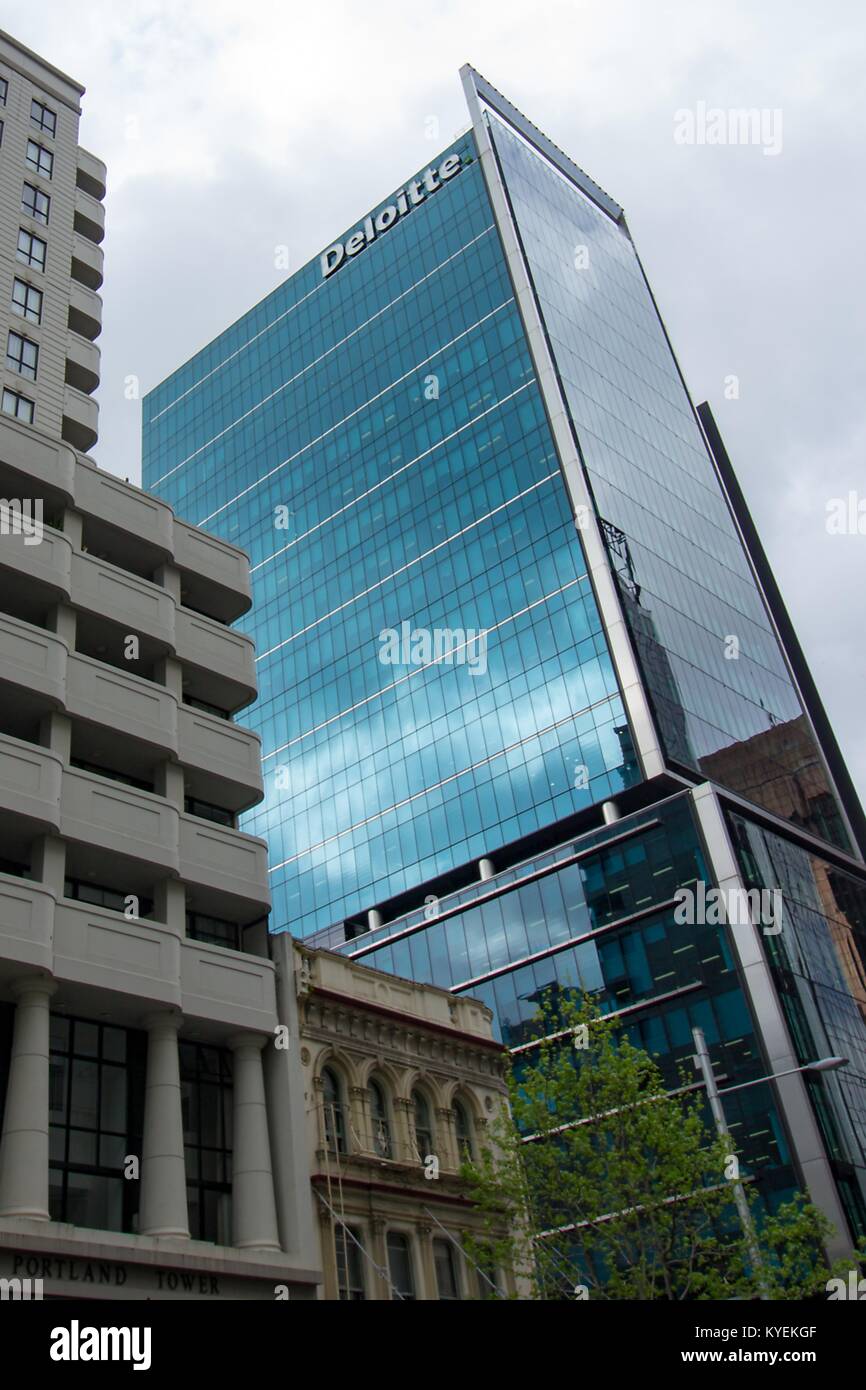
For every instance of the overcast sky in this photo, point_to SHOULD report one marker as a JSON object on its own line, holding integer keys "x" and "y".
{"x": 231, "y": 130}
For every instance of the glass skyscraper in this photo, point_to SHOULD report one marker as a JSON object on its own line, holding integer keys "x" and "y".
{"x": 523, "y": 670}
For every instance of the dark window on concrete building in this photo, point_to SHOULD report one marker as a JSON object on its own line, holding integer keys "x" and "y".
{"x": 26, "y": 301}
{"x": 95, "y": 1112}
{"x": 422, "y": 1126}
{"x": 206, "y": 1096}
{"x": 212, "y": 930}
{"x": 350, "y": 1265}
{"x": 335, "y": 1115}
{"x": 447, "y": 1275}
{"x": 22, "y": 355}
{"x": 39, "y": 159}
{"x": 18, "y": 406}
{"x": 463, "y": 1132}
{"x": 35, "y": 203}
{"x": 43, "y": 117}
{"x": 400, "y": 1265}
{"x": 31, "y": 249}
{"x": 379, "y": 1120}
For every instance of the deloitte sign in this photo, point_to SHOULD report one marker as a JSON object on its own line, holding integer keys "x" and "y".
{"x": 407, "y": 199}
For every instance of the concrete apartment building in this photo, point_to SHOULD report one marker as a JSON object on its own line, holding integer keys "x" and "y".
{"x": 402, "y": 1084}
{"x": 148, "y": 1145}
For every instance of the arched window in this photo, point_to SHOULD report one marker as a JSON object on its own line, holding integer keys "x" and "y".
{"x": 381, "y": 1135}
{"x": 335, "y": 1118}
{"x": 422, "y": 1125}
{"x": 463, "y": 1132}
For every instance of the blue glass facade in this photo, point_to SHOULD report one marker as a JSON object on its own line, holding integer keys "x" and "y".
{"x": 712, "y": 665}
{"x": 379, "y": 435}
{"x": 597, "y": 915}
{"x": 818, "y": 961}
{"x": 376, "y": 439}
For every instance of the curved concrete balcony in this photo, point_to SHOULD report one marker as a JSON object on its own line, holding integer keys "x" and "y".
{"x": 105, "y": 950}
{"x": 85, "y": 311}
{"x": 219, "y": 651}
{"x": 91, "y": 174}
{"x": 224, "y": 985}
{"x": 89, "y": 217}
{"x": 80, "y": 419}
{"x": 124, "y": 506}
{"x": 88, "y": 261}
{"x": 97, "y": 811}
{"x": 51, "y": 467}
{"x": 207, "y": 561}
{"x": 30, "y": 782}
{"x": 82, "y": 364}
{"x": 134, "y": 604}
{"x": 32, "y": 659}
{"x": 26, "y": 922}
{"x": 118, "y": 700}
{"x": 48, "y": 561}
{"x": 228, "y": 753}
{"x": 225, "y": 860}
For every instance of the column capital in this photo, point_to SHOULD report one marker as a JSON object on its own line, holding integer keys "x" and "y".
{"x": 43, "y": 986}
{"x": 163, "y": 1021}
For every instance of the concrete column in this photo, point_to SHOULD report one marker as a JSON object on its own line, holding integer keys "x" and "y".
{"x": 168, "y": 782}
{"x": 285, "y": 1084}
{"x": 55, "y": 732}
{"x": 485, "y": 868}
{"x": 168, "y": 671}
{"x": 63, "y": 621}
{"x": 446, "y": 1138}
{"x": 163, "y": 1210}
{"x": 610, "y": 812}
{"x": 381, "y": 1289}
{"x": 169, "y": 578}
{"x": 361, "y": 1127}
{"x": 328, "y": 1233}
{"x": 254, "y": 1212}
{"x": 404, "y": 1140}
{"x": 48, "y": 863}
{"x": 426, "y": 1270}
{"x": 374, "y": 919}
{"x": 24, "y": 1145}
{"x": 73, "y": 527}
{"x": 169, "y": 904}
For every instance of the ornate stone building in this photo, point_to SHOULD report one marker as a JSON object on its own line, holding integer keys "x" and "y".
{"x": 401, "y": 1080}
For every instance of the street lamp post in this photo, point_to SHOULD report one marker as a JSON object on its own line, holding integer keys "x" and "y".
{"x": 714, "y": 1096}
{"x": 705, "y": 1067}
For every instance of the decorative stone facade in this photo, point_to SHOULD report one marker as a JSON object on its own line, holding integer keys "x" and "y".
{"x": 399, "y": 1078}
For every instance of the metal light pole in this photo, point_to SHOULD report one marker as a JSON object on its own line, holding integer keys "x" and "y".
{"x": 714, "y": 1096}
{"x": 705, "y": 1067}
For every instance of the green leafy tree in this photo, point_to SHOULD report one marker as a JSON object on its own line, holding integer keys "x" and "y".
{"x": 616, "y": 1189}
